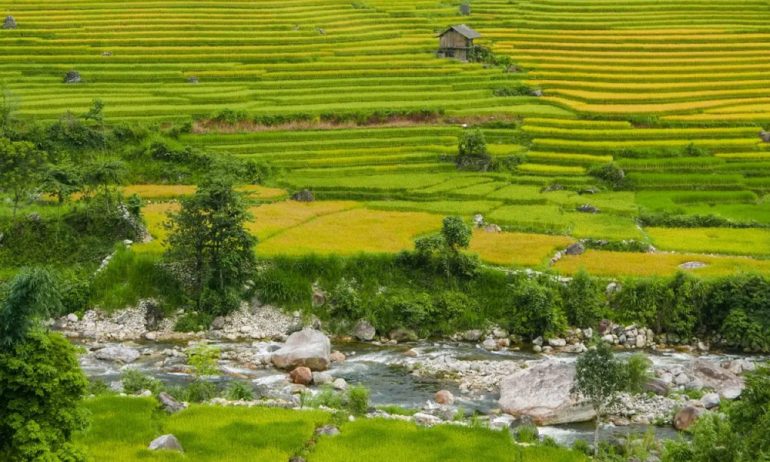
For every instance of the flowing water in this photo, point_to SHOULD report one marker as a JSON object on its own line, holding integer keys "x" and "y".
{"x": 381, "y": 369}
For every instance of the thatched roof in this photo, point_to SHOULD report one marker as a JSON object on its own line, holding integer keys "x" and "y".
{"x": 463, "y": 30}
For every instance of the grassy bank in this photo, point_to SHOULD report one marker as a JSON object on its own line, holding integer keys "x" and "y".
{"x": 122, "y": 428}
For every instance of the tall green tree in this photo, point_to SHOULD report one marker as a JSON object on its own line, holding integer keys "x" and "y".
{"x": 599, "y": 378}
{"x": 41, "y": 384}
{"x": 472, "y": 151}
{"x": 32, "y": 295}
{"x": 22, "y": 169}
{"x": 210, "y": 245}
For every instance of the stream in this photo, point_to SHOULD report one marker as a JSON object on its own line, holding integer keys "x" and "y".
{"x": 382, "y": 369}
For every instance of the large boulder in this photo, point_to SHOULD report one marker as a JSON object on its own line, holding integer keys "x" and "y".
{"x": 543, "y": 393}
{"x": 9, "y": 23}
{"x": 301, "y": 375}
{"x": 765, "y": 135}
{"x": 118, "y": 354}
{"x": 713, "y": 376}
{"x": 685, "y": 417}
{"x": 308, "y": 347}
{"x": 165, "y": 442}
{"x": 170, "y": 404}
{"x": 364, "y": 331}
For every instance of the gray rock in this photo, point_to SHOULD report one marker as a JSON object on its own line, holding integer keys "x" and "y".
{"x": 588, "y": 332}
{"x": 9, "y": 23}
{"x": 557, "y": 342}
{"x": 169, "y": 404}
{"x": 303, "y": 196}
{"x": 72, "y": 77}
{"x": 422, "y": 418}
{"x": 218, "y": 323}
{"x": 165, "y": 442}
{"x": 364, "y": 331}
{"x": 715, "y": 377}
{"x": 72, "y": 317}
{"x": 694, "y": 384}
{"x": 340, "y": 384}
{"x": 689, "y": 265}
{"x": 538, "y": 341}
{"x": 499, "y": 332}
{"x": 490, "y": 344}
{"x": 308, "y": 347}
{"x": 710, "y": 400}
{"x": 587, "y": 208}
{"x": 328, "y": 430}
{"x": 543, "y": 392}
{"x": 765, "y": 135}
{"x": 322, "y": 378}
{"x": 575, "y": 249}
{"x": 657, "y": 386}
{"x": 731, "y": 393}
{"x": 403, "y": 334}
{"x": 681, "y": 379}
{"x": 473, "y": 335}
{"x": 118, "y": 353}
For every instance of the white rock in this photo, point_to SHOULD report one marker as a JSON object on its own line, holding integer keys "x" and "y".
{"x": 710, "y": 400}
{"x": 165, "y": 442}
{"x": 422, "y": 418}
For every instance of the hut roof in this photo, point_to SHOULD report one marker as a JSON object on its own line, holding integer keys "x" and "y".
{"x": 463, "y": 30}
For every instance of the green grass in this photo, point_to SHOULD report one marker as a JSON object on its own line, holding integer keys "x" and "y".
{"x": 123, "y": 427}
{"x": 402, "y": 441}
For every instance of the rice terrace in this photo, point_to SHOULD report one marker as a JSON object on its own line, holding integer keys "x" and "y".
{"x": 456, "y": 230}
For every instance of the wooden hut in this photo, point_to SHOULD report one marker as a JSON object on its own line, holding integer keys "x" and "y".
{"x": 456, "y": 42}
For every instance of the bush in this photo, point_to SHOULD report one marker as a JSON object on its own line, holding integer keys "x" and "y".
{"x": 472, "y": 151}
{"x": 610, "y": 173}
{"x": 583, "y": 303}
{"x": 135, "y": 382}
{"x": 537, "y": 310}
{"x": 41, "y": 386}
{"x": 239, "y": 391}
{"x": 200, "y": 391}
{"x": 526, "y": 433}
{"x": 637, "y": 372}
{"x": 357, "y": 402}
{"x": 193, "y": 321}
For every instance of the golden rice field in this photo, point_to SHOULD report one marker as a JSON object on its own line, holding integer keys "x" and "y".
{"x": 675, "y": 93}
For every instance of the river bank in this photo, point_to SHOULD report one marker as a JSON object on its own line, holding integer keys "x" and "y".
{"x": 408, "y": 373}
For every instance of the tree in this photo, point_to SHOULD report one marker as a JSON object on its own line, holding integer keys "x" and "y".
{"x": 32, "y": 295}
{"x": 611, "y": 173}
{"x": 22, "y": 167}
{"x": 41, "y": 383}
{"x": 599, "y": 378}
{"x": 62, "y": 181}
{"x": 472, "y": 151}
{"x": 442, "y": 252}
{"x": 456, "y": 233}
{"x": 211, "y": 247}
{"x": 582, "y": 300}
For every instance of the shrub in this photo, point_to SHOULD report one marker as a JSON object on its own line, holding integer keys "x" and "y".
{"x": 537, "y": 310}
{"x": 526, "y": 433}
{"x": 135, "y": 381}
{"x": 611, "y": 173}
{"x": 582, "y": 301}
{"x": 193, "y": 321}
{"x": 637, "y": 372}
{"x": 203, "y": 359}
{"x": 357, "y": 402}
{"x": 239, "y": 391}
{"x": 41, "y": 385}
{"x": 199, "y": 391}
{"x": 472, "y": 151}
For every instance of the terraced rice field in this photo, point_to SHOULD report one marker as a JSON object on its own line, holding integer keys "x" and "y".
{"x": 674, "y": 92}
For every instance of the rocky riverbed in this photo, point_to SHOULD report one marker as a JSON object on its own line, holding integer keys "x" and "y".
{"x": 478, "y": 371}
